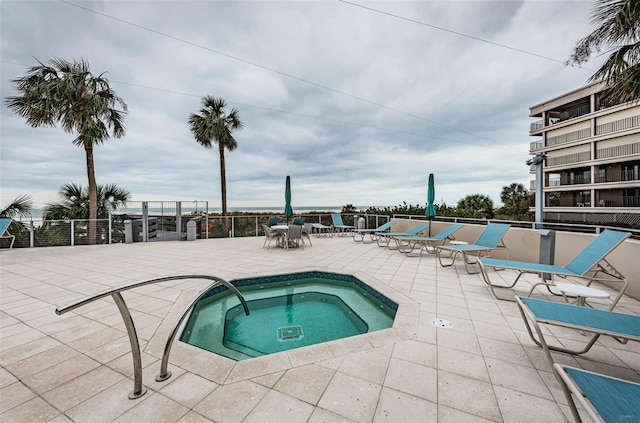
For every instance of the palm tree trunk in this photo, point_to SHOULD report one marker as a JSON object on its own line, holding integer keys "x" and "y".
{"x": 93, "y": 194}
{"x": 223, "y": 185}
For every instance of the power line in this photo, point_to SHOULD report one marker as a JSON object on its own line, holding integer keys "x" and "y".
{"x": 279, "y": 72}
{"x": 343, "y": 122}
{"x": 439, "y": 28}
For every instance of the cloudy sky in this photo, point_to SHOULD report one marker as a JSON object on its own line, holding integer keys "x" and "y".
{"x": 357, "y": 101}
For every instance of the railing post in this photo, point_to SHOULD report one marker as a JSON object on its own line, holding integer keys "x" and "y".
{"x": 32, "y": 241}
{"x": 110, "y": 226}
{"x": 138, "y": 389}
{"x": 164, "y": 364}
{"x": 73, "y": 232}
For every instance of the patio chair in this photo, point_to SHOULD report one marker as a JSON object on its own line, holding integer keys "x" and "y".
{"x": 384, "y": 238}
{"x": 274, "y": 221}
{"x": 4, "y": 230}
{"x": 293, "y": 237}
{"x": 589, "y": 264}
{"x": 406, "y": 244}
{"x": 603, "y": 398}
{"x": 489, "y": 240}
{"x": 338, "y": 225}
{"x": 270, "y": 235}
{"x": 373, "y": 233}
{"x": 535, "y": 313}
{"x": 306, "y": 231}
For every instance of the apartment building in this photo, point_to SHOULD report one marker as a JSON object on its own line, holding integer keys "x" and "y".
{"x": 591, "y": 172}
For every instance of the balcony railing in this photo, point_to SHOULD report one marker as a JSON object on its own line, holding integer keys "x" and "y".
{"x": 536, "y": 125}
{"x": 536, "y": 145}
{"x": 569, "y": 137}
{"x": 620, "y": 176}
{"x": 618, "y": 125}
{"x": 619, "y": 201}
{"x": 576, "y": 180}
{"x": 618, "y": 151}
{"x": 623, "y": 201}
{"x": 569, "y": 158}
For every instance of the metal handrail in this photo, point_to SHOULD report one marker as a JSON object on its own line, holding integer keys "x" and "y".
{"x": 164, "y": 373}
{"x": 139, "y": 389}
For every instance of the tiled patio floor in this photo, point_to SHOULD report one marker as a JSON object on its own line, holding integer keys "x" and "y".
{"x": 78, "y": 366}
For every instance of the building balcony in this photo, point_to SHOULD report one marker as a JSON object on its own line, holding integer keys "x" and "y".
{"x": 618, "y": 201}
{"x": 619, "y": 176}
{"x": 536, "y": 145}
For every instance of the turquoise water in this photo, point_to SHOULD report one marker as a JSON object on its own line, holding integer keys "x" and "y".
{"x": 290, "y": 321}
{"x": 284, "y": 316}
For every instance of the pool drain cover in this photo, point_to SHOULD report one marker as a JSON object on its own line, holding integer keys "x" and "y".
{"x": 290, "y": 333}
{"x": 441, "y": 323}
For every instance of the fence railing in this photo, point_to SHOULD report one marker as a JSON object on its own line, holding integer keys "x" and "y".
{"x": 40, "y": 233}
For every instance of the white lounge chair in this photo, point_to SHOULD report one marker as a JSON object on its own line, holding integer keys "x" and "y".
{"x": 590, "y": 264}
{"x": 338, "y": 225}
{"x": 489, "y": 240}
{"x": 603, "y": 398}
{"x": 384, "y": 238}
{"x": 373, "y": 233}
{"x": 407, "y": 243}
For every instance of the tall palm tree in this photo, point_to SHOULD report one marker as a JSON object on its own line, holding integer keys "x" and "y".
{"x": 75, "y": 202}
{"x": 215, "y": 126}
{"x": 67, "y": 94}
{"x": 618, "y": 33}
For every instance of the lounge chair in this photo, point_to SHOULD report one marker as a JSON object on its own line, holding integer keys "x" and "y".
{"x": 298, "y": 221}
{"x": 603, "y": 398}
{"x": 338, "y": 225}
{"x": 5, "y": 222}
{"x": 384, "y": 238}
{"x": 406, "y": 244}
{"x": 489, "y": 240}
{"x": 373, "y": 233}
{"x": 535, "y": 312}
{"x": 588, "y": 264}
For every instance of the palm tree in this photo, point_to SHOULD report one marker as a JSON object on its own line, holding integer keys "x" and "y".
{"x": 618, "y": 33}
{"x": 477, "y": 202}
{"x": 67, "y": 94}
{"x": 516, "y": 200}
{"x": 75, "y": 202}
{"x": 21, "y": 206}
{"x": 215, "y": 125}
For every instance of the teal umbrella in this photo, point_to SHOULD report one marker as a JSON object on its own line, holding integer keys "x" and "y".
{"x": 288, "y": 211}
{"x": 430, "y": 211}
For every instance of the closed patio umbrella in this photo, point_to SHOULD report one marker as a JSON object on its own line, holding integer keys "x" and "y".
{"x": 430, "y": 211}
{"x": 288, "y": 211}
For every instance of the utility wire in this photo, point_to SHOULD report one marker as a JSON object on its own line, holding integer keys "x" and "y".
{"x": 439, "y": 28}
{"x": 306, "y": 81}
{"x": 343, "y": 122}
{"x": 287, "y": 112}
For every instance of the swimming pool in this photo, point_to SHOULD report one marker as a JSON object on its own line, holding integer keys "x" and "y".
{"x": 287, "y": 311}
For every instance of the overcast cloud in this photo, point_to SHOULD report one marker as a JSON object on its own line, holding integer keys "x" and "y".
{"x": 357, "y": 105}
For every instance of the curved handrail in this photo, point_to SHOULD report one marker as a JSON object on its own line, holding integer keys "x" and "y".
{"x": 164, "y": 373}
{"x": 138, "y": 389}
